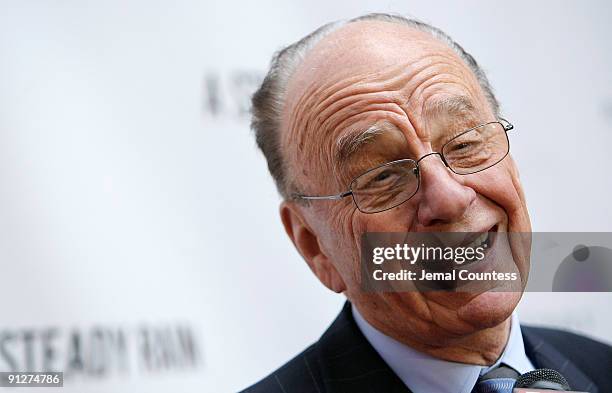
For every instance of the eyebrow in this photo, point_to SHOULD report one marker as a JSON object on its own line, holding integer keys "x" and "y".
{"x": 349, "y": 143}
{"x": 352, "y": 141}
{"x": 453, "y": 105}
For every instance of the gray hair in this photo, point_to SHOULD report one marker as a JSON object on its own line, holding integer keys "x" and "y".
{"x": 268, "y": 101}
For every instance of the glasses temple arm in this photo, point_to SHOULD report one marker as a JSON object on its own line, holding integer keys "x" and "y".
{"x": 331, "y": 197}
{"x": 506, "y": 124}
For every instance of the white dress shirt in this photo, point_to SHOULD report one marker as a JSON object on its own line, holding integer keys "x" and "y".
{"x": 423, "y": 373}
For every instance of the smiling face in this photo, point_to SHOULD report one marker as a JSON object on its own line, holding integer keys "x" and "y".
{"x": 411, "y": 94}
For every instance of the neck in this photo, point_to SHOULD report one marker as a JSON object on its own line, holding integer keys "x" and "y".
{"x": 482, "y": 347}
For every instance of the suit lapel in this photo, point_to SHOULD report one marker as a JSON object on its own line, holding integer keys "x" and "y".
{"x": 544, "y": 355}
{"x": 350, "y": 364}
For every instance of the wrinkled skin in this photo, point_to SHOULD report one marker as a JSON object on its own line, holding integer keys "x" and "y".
{"x": 384, "y": 73}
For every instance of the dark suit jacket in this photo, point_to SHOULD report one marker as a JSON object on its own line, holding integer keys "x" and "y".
{"x": 343, "y": 361}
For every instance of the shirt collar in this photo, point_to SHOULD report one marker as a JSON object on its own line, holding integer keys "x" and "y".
{"x": 422, "y": 372}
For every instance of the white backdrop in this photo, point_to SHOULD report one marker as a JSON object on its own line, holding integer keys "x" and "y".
{"x": 140, "y": 245}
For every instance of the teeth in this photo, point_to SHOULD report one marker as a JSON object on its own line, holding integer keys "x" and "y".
{"x": 479, "y": 240}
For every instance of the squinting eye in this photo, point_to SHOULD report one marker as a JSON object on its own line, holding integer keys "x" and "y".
{"x": 461, "y": 145}
{"x": 382, "y": 176}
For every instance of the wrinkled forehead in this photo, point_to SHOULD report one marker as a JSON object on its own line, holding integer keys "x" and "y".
{"x": 366, "y": 72}
{"x": 360, "y": 49}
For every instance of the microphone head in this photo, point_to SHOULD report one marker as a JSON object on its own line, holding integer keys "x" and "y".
{"x": 543, "y": 378}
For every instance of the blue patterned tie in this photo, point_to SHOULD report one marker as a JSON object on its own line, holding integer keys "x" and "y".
{"x": 499, "y": 380}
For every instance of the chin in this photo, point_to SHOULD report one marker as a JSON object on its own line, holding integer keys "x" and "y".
{"x": 489, "y": 309}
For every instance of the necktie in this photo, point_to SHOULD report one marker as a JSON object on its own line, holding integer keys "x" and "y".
{"x": 499, "y": 380}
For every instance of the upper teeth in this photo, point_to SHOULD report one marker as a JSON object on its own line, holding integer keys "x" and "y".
{"x": 479, "y": 240}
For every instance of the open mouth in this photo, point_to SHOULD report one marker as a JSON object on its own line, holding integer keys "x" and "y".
{"x": 474, "y": 248}
{"x": 481, "y": 254}
{"x": 483, "y": 241}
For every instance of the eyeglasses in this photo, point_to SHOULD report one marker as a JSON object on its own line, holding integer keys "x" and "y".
{"x": 391, "y": 184}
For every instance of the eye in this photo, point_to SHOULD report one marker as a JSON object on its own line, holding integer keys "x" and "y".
{"x": 382, "y": 176}
{"x": 461, "y": 146}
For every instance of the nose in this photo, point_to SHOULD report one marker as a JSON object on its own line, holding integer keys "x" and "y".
{"x": 443, "y": 199}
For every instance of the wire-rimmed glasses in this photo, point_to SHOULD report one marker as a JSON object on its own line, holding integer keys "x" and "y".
{"x": 391, "y": 184}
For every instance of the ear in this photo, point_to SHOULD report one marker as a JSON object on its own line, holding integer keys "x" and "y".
{"x": 308, "y": 245}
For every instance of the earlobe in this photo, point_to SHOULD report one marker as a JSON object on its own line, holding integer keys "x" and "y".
{"x": 307, "y": 243}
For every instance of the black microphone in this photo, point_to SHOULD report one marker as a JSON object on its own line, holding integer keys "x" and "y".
{"x": 541, "y": 381}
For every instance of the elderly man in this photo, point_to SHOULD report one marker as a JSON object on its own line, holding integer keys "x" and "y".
{"x": 361, "y": 123}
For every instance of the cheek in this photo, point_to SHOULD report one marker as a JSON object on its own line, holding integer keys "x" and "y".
{"x": 338, "y": 240}
{"x": 343, "y": 238}
{"x": 358, "y": 223}
{"x": 398, "y": 219}
{"x": 501, "y": 185}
